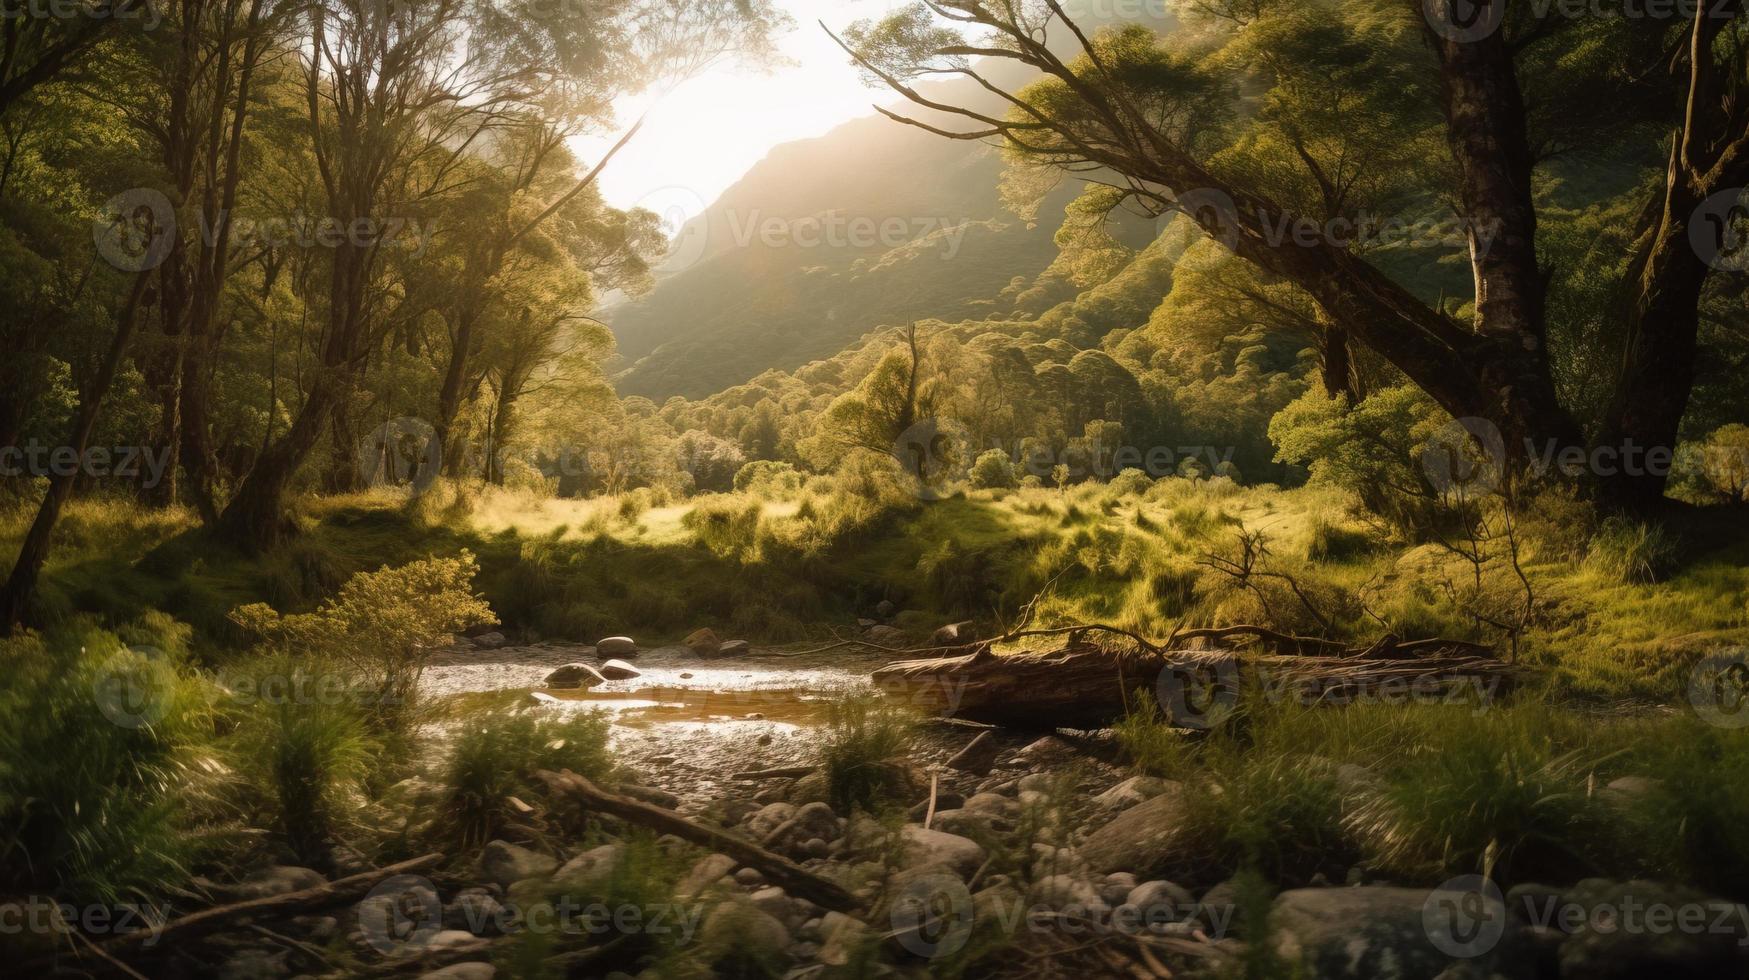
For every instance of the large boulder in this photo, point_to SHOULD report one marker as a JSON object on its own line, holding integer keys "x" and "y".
{"x": 770, "y": 817}
{"x": 506, "y": 864}
{"x": 574, "y": 676}
{"x": 813, "y": 820}
{"x": 1621, "y": 930}
{"x": 1368, "y": 933}
{"x": 1140, "y": 840}
{"x": 490, "y": 641}
{"x": 733, "y": 648}
{"x": 703, "y": 642}
{"x": 616, "y": 646}
{"x": 741, "y": 940}
{"x": 954, "y": 635}
{"x": 619, "y": 670}
{"x": 922, "y": 848}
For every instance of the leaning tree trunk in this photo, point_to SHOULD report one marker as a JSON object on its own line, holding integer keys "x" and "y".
{"x": 21, "y": 583}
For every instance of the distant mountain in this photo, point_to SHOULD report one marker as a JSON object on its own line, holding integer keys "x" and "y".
{"x": 873, "y": 223}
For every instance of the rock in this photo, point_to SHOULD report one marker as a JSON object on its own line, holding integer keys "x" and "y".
{"x": 452, "y": 939}
{"x": 1138, "y": 840}
{"x": 619, "y": 670}
{"x": 1066, "y": 892}
{"x": 462, "y": 971}
{"x": 575, "y": 675}
{"x": 1161, "y": 902}
{"x": 812, "y": 788}
{"x": 490, "y": 641}
{"x": 1366, "y": 933}
{"x": 1116, "y": 887}
{"x": 616, "y": 646}
{"x": 280, "y": 879}
{"x": 705, "y": 873}
{"x": 1046, "y": 753}
{"x": 477, "y": 911}
{"x": 506, "y": 864}
{"x": 744, "y": 940}
{"x": 773, "y": 902}
{"x": 885, "y": 609}
{"x": 1136, "y": 789}
{"x": 816, "y": 848}
{"x": 978, "y": 756}
{"x": 686, "y": 675}
{"x": 541, "y": 698}
{"x": 1218, "y": 910}
{"x": 1049, "y": 860}
{"x": 1627, "y": 791}
{"x": 943, "y": 803}
{"x": 703, "y": 642}
{"x": 843, "y": 937}
{"x": 886, "y": 636}
{"x": 968, "y": 823}
{"x": 811, "y": 821}
{"x": 734, "y": 648}
{"x": 1645, "y": 929}
{"x": 770, "y": 817}
{"x": 864, "y": 624}
{"x": 749, "y": 878}
{"x": 954, "y": 635}
{"x": 589, "y": 866}
{"x": 935, "y": 847}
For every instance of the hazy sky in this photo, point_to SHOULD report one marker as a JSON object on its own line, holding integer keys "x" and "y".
{"x": 702, "y": 136}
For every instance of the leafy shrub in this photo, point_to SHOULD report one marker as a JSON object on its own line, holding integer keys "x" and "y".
{"x": 768, "y": 478}
{"x": 1327, "y": 541}
{"x": 727, "y": 526}
{"x": 1130, "y": 483}
{"x": 863, "y": 737}
{"x": 1372, "y": 450}
{"x": 380, "y": 627}
{"x": 1630, "y": 551}
{"x": 992, "y": 470}
{"x": 97, "y": 742}
{"x": 496, "y": 755}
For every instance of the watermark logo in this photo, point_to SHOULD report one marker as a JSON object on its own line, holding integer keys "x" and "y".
{"x": 135, "y": 687}
{"x": 403, "y": 451}
{"x": 1464, "y": 21}
{"x": 1215, "y": 211}
{"x": 401, "y": 912}
{"x": 1464, "y": 917}
{"x": 676, "y": 208}
{"x": 932, "y": 916}
{"x": 1200, "y": 693}
{"x": 1466, "y": 456}
{"x": 1719, "y": 231}
{"x": 935, "y": 453}
{"x": 135, "y": 230}
{"x": 1718, "y": 688}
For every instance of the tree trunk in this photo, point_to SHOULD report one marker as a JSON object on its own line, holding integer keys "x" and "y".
{"x": 1336, "y": 366}
{"x": 20, "y": 585}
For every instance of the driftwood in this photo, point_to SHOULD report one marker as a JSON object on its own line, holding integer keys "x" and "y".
{"x": 219, "y": 916}
{"x": 1088, "y": 686}
{"x": 779, "y": 870}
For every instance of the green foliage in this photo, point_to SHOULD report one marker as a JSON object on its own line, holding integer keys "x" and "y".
{"x": 992, "y": 470}
{"x": 727, "y": 526}
{"x": 99, "y": 749}
{"x": 862, "y": 754}
{"x": 495, "y": 755}
{"x": 1372, "y": 450}
{"x": 1625, "y": 550}
{"x": 768, "y": 478}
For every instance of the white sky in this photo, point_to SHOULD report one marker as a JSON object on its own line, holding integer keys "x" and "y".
{"x": 702, "y": 136}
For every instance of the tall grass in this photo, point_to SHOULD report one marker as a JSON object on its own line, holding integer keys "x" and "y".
{"x": 863, "y": 738}
{"x": 495, "y": 756}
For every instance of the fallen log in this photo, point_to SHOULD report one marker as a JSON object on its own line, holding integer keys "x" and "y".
{"x": 779, "y": 870}
{"x": 1087, "y": 686}
{"x": 208, "y": 920}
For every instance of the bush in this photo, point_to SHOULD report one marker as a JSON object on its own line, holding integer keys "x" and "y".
{"x": 381, "y": 627}
{"x": 992, "y": 470}
{"x": 768, "y": 478}
{"x": 1631, "y": 552}
{"x": 496, "y": 755}
{"x": 97, "y": 742}
{"x": 864, "y": 738}
{"x": 1130, "y": 483}
{"x": 727, "y": 526}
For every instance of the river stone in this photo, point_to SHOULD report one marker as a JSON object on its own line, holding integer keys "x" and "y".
{"x": 1366, "y": 933}
{"x": 1161, "y": 901}
{"x": 1115, "y": 888}
{"x": 1139, "y": 840}
{"x": 967, "y": 823}
{"x": 954, "y": 635}
{"x": 1634, "y": 945}
{"x": 1044, "y": 753}
{"x": 490, "y": 641}
{"x": 991, "y": 803}
{"x": 936, "y": 847}
{"x": 462, "y": 971}
{"x": 811, "y": 821}
{"x": 812, "y": 788}
{"x": 844, "y": 937}
{"x": 887, "y": 636}
{"x": 589, "y": 866}
{"x": 734, "y": 648}
{"x": 703, "y": 642}
{"x": 770, "y": 817}
{"x": 1066, "y": 892}
{"x": 506, "y": 863}
{"x": 575, "y": 675}
{"x": 1136, "y": 789}
{"x": 705, "y": 873}
{"x": 617, "y": 646}
{"x": 943, "y": 802}
{"x": 978, "y": 756}
{"x": 476, "y": 910}
{"x": 737, "y": 934}
{"x": 619, "y": 670}
{"x": 452, "y": 939}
